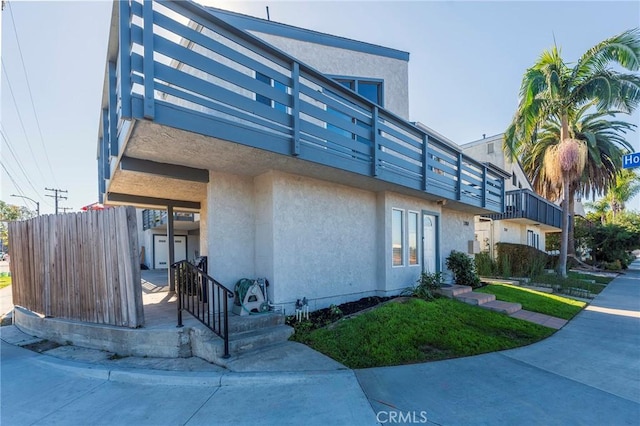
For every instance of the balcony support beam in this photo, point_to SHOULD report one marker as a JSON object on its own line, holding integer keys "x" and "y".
{"x": 425, "y": 160}
{"x": 163, "y": 169}
{"x": 374, "y": 140}
{"x": 152, "y": 201}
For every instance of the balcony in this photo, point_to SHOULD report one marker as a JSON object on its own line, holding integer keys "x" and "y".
{"x": 158, "y": 219}
{"x": 176, "y": 66}
{"x": 526, "y": 206}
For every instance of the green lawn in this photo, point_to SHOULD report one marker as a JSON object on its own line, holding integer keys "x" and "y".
{"x": 583, "y": 276}
{"x": 573, "y": 283}
{"x": 535, "y": 301}
{"x": 5, "y": 282}
{"x": 416, "y": 331}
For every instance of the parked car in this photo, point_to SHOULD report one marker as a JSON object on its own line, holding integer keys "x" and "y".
{"x": 2, "y": 255}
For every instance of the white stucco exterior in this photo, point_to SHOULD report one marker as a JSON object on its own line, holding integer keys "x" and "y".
{"x": 314, "y": 239}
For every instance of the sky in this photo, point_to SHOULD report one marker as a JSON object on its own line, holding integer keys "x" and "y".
{"x": 466, "y": 64}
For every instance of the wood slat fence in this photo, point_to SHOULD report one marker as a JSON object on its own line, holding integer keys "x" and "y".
{"x": 79, "y": 266}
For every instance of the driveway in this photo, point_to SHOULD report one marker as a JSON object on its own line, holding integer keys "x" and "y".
{"x": 586, "y": 373}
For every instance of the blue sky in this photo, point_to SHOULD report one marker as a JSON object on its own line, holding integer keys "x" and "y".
{"x": 466, "y": 64}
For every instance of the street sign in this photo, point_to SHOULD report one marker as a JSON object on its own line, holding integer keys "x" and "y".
{"x": 631, "y": 160}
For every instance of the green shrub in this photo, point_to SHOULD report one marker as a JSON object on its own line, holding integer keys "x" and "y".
{"x": 426, "y": 286}
{"x": 519, "y": 260}
{"x": 485, "y": 265}
{"x": 463, "y": 268}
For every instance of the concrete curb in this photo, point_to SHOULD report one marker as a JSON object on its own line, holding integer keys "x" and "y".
{"x": 188, "y": 378}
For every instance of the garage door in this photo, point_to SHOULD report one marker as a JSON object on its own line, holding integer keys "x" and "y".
{"x": 161, "y": 250}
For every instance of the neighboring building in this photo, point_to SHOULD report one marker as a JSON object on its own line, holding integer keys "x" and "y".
{"x": 152, "y": 237}
{"x": 527, "y": 218}
{"x": 293, "y": 146}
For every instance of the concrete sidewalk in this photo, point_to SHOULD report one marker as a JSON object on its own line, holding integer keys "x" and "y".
{"x": 586, "y": 373}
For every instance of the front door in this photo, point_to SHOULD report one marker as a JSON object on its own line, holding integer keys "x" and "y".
{"x": 429, "y": 241}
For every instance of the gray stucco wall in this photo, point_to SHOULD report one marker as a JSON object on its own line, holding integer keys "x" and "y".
{"x": 324, "y": 241}
{"x": 457, "y": 230}
{"x": 310, "y": 238}
{"x": 230, "y": 227}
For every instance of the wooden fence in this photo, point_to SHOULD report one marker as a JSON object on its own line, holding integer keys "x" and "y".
{"x": 79, "y": 266}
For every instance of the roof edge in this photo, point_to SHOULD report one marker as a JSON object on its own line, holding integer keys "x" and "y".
{"x": 250, "y": 23}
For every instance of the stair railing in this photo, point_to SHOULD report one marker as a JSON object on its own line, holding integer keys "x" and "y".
{"x": 204, "y": 298}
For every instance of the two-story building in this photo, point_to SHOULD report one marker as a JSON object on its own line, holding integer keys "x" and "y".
{"x": 294, "y": 146}
{"x": 527, "y": 217}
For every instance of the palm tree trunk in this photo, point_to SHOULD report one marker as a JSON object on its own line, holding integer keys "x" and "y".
{"x": 571, "y": 244}
{"x": 566, "y": 183}
{"x": 564, "y": 236}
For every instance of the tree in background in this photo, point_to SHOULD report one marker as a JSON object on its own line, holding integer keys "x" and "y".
{"x": 552, "y": 90}
{"x": 604, "y": 139}
{"x": 8, "y": 213}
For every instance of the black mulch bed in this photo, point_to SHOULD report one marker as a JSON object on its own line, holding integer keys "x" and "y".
{"x": 326, "y": 316}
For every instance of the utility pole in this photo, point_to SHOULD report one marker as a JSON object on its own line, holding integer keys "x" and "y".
{"x": 64, "y": 209}
{"x": 56, "y": 195}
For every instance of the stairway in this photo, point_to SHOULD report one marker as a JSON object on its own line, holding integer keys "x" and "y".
{"x": 465, "y": 294}
{"x": 246, "y": 333}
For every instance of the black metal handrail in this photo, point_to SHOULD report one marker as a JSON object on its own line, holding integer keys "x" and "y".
{"x": 204, "y": 298}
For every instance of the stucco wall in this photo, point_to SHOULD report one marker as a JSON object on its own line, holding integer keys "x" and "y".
{"x": 230, "y": 227}
{"x": 336, "y": 61}
{"x": 457, "y": 230}
{"x": 324, "y": 241}
{"x": 396, "y": 278}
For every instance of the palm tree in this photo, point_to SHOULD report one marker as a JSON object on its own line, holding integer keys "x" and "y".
{"x": 626, "y": 187}
{"x": 605, "y": 146}
{"x": 600, "y": 208}
{"x": 551, "y": 90}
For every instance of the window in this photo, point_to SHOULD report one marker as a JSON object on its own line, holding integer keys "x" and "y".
{"x": 533, "y": 239}
{"x": 268, "y": 101}
{"x": 514, "y": 180}
{"x": 397, "y": 232}
{"x": 370, "y": 89}
{"x": 412, "y": 224}
{"x": 490, "y": 148}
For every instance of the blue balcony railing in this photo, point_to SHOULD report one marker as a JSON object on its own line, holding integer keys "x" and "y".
{"x": 156, "y": 218}
{"x": 525, "y": 204}
{"x": 180, "y": 66}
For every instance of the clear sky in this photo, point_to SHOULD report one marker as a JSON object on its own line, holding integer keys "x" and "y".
{"x": 466, "y": 64}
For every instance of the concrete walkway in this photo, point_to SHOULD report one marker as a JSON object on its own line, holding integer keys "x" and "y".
{"x": 586, "y": 373}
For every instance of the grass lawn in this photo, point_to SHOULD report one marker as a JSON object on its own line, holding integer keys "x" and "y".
{"x": 5, "y": 282}
{"x": 596, "y": 278}
{"x": 416, "y": 331}
{"x": 573, "y": 282}
{"x": 535, "y": 301}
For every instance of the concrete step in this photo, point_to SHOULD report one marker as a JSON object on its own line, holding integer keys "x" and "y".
{"x": 502, "y": 307}
{"x": 454, "y": 290}
{"x": 212, "y": 348}
{"x": 241, "y": 324}
{"x": 476, "y": 298}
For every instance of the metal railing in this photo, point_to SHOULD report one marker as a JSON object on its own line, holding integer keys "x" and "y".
{"x": 209, "y": 77}
{"x": 204, "y": 298}
{"x": 526, "y": 204}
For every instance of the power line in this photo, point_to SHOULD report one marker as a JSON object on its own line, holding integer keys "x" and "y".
{"x": 22, "y": 122}
{"x": 33, "y": 105}
{"x": 17, "y": 161}
{"x": 57, "y": 196}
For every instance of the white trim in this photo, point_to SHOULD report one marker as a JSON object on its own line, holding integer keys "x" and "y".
{"x": 402, "y": 238}
{"x": 418, "y": 250}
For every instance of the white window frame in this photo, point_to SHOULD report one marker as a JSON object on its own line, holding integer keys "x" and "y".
{"x": 417, "y": 230}
{"x": 402, "y": 238}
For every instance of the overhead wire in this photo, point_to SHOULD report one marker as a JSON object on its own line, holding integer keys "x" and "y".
{"x": 33, "y": 106}
{"x": 36, "y": 162}
{"x": 17, "y": 161}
